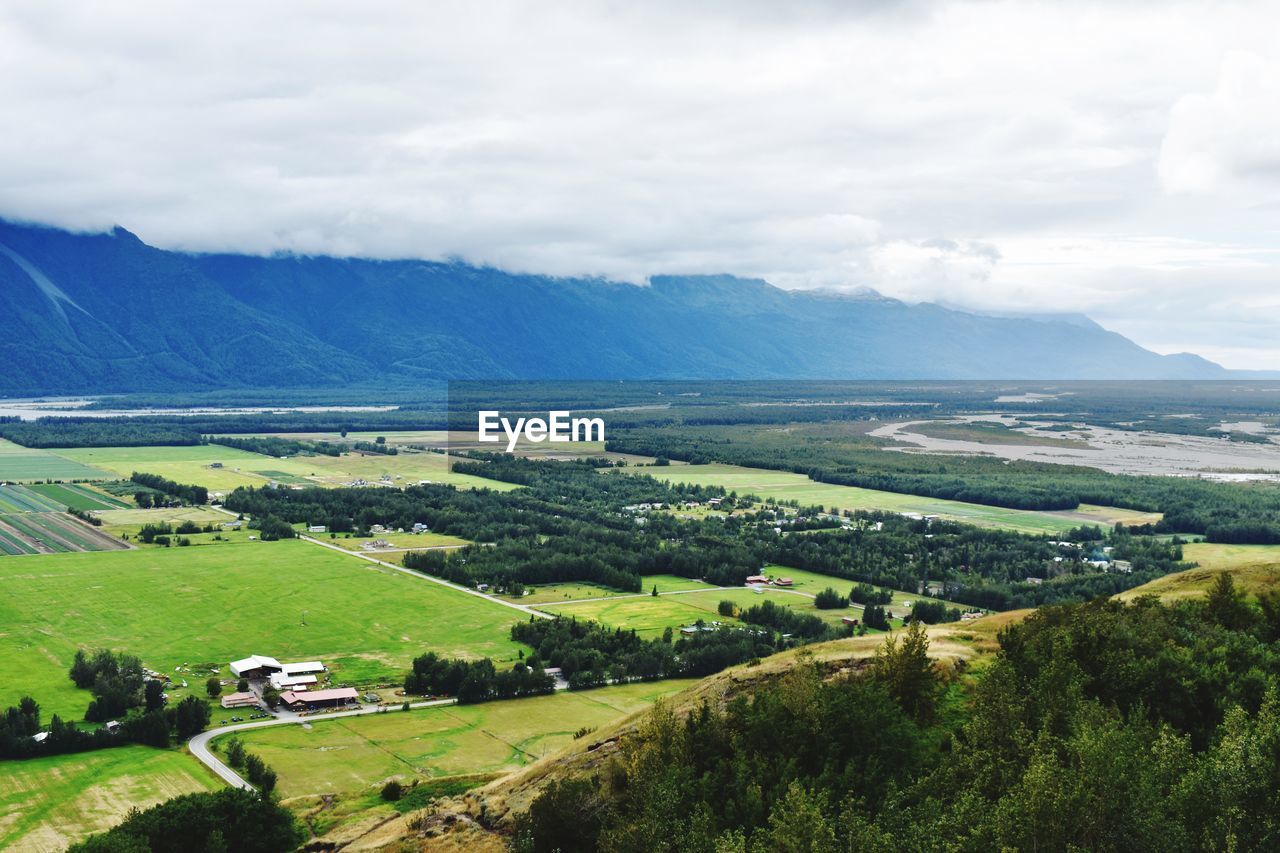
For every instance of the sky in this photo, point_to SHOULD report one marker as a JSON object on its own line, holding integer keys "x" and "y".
{"x": 1118, "y": 159}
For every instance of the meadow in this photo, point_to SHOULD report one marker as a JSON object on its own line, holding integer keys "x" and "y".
{"x": 786, "y": 486}
{"x": 22, "y": 464}
{"x": 170, "y": 606}
{"x": 351, "y": 753}
{"x": 1254, "y": 568}
{"x": 48, "y": 803}
{"x": 554, "y": 593}
{"x": 397, "y": 541}
{"x": 194, "y": 464}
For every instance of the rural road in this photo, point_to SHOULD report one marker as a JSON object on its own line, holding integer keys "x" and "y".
{"x": 199, "y": 745}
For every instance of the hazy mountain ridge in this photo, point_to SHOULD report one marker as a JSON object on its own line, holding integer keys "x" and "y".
{"x": 127, "y": 316}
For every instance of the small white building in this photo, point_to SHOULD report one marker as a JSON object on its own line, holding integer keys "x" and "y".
{"x": 317, "y": 528}
{"x": 255, "y": 666}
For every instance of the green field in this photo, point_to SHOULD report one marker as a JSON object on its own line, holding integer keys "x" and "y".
{"x": 120, "y": 521}
{"x": 48, "y": 803}
{"x": 195, "y": 464}
{"x": 23, "y": 464}
{"x": 293, "y": 600}
{"x": 25, "y": 499}
{"x": 398, "y": 541}
{"x": 1254, "y": 568}
{"x": 650, "y": 615}
{"x": 79, "y": 497}
{"x": 347, "y": 754}
{"x": 786, "y": 486}
{"x": 553, "y": 593}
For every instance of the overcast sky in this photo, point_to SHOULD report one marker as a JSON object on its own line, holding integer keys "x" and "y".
{"x": 1119, "y": 159}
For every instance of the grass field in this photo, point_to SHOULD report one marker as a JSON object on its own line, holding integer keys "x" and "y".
{"x": 786, "y": 486}
{"x": 48, "y": 803}
{"x": 78, "y": 496}
{"x": 398, "y": 541}
{"x": 650, "y": 616}
{"x": 356, "y": 752}
{"x": 240, "y": 468}
{"x": 554, "y": 593}
{"x": 23, "y": 464}
{"x": 120, "y": 521}
{"x": 292, "y": 600}
{"x": 1255, "y": 569}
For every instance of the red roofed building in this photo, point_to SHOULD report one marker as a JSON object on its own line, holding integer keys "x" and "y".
{"x": 319, "y": 698}
{"x": 757, "y": 579}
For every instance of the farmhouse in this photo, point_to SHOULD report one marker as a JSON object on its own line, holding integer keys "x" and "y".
{"x": 255, "y": 666}
{"x": 757, "y": 579}
{"x": 849, "y": 620}
{"x": 319, "y": 698}
{"x": 240, "y": 700}
{"x": 784, "y": 582}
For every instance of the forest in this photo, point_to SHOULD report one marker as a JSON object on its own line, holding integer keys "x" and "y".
{"x": 571, "y": 522}
{"x": 1097, "y": 726}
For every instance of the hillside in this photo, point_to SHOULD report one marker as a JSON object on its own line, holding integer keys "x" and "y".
{"x": 105, "y": 312}
{"x": 1254, "y": 568}
{"x": 460, "y": 823}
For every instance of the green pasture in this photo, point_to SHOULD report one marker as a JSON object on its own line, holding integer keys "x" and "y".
{"x": 25, "y": 464}
{"x": 553, "y": 593}
{"x": 79, "y": 497}
{"x": 46, "y": 804}
{"x": 397, "y": 541}
{"x": 171, "y": 606}
{"x": 786, "y": 486}
{"x": 351, "y": 753}
{"x": 650, "y": 615}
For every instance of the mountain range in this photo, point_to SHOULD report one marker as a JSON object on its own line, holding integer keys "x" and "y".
{"x": 85, "y": 313}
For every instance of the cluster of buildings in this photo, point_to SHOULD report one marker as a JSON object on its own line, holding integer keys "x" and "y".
{"x": 294, "y": 682}
{"x": 763, "y": 580}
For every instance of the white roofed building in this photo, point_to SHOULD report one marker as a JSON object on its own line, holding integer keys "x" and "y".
{"x": 255, "y": 666}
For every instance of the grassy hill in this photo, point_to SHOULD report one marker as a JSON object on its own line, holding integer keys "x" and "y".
{"x": 1256, "y": 569}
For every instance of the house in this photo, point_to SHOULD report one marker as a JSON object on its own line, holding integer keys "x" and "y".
{"x": 317, "y": 528}
{"x": 1035, "y": 581}
{"x": 331, "y": 698}
{"x": 240, "y": 700}
{"x": 112, "y": 726}
{"x": 715, "y": 501}
{"x": 255, "y": 666}
{"x": 757, "y": 579}
{"x": 970, "y": 616}
{"x": 784, "y": 582}
{"x": 849, "y": 620}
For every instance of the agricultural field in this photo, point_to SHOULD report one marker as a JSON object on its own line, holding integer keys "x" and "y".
{"x": 554, "y": 593}
{"x": 170, "y": 606}
{"x": 1254, "y": 568}
{"x": 51, "y": 533}
{"x": 196, "y": 464}
{"x": 650, "y": 615}
{"x": 120, "y": 522}
{"x": 24, "y": 464}
{"x": 348, "y": 754}
{"x": 786, "y": 486}
{"x": 813, "y": 583}
{"x": 48, "y": 803}
{"x": 396, "y": 541}
{"x": 78, "y": 496}
{"x": 24, "y": 499}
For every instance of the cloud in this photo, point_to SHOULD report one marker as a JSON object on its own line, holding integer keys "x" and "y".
{"x": 932, "y": 150}
{"x": 1228, "y": 138}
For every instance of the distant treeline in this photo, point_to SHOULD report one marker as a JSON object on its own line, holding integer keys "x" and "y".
{"x": 571, "y": 522}
{"x": 272, "y": 446}
{"x": 188, "y": 494}
{"x": 1223, "y": 512}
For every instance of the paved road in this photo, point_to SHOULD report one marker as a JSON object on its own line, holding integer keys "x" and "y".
{"x": 199, "y": 745}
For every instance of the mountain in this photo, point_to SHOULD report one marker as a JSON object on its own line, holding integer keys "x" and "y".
{"x": 105, "y": 312}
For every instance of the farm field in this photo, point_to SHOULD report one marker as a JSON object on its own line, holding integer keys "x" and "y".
{"x": 121, "y": 521}
{"x": 347, "y": 754}
{"x": 78, "y": 496}
{"x": 397, "y": 541}
{"x": 169, "y": 606}
{"x": 813, "y": 583}
{"x": 24, "y": 499}
{"x": 185, "y": 464}
{"x": 1254, "y": 568}
{"x": 51, "y": 533}
{"x": 553, "y": 593}
{"x": 48, "y": 803}
{"x": 786, "y": 486}
{"x": 650, "y": 616}
{"x": 25, "y": 464}
{"x": 192, "y": 464}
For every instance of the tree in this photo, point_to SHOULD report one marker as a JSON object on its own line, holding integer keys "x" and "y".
{"x": 655, "y": 591}
{"x": 193, "y": 822}
{"x": 242, "y": 685}
{"x": 874, "y": 616}
{"x": 1226, "y": 606}
{"x": 213, "y": 687}
{"x": 829, "y": 599}
{"x": 190, "y": 717}
{"x": 902, "y": 664}
{"x": 392, "y": 791}
{"x": 154, "y": 695}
